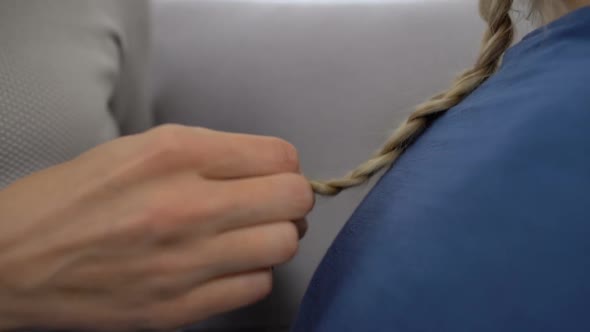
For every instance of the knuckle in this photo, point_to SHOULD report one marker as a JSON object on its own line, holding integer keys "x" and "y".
{"x": 157, "y": 219}
{"x": 302, "y": 227}
{"x": 163, "y": 291}
{"x": 165, "y": 128}
{"x": 158, "y": 216}
{"x": 137, "y": 226}
{"x": 132, "y": 230}
{"x": 266, "y": 285}
{"x": 167, "y": 140}
{"x": 300, "y": 193}
{"x": 172, "y": 211}
{"x": 262, "y": 286}
{"x": 164, "y": 265}
{"x": 287, "y": 239}
{"x": 286, "y": 155}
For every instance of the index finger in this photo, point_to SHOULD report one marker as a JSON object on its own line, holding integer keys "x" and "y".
{"x": 219, "y": 155}
{"x": 231, "y": 156}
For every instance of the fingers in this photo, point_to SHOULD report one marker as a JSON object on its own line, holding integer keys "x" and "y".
{"x": 219, "y": 155}
{"x": 239, "y": 156}
{"x": 302, "y": 227}
{"x": 172, "y": 270}
{"x": 201, "y": 302}
{"x": 186, "y": 206}
{"x": 215, "y": 297}
{"x": 261, "y": 200}
{"x": 252, "y": 248}
{"x": 167, "y": 271}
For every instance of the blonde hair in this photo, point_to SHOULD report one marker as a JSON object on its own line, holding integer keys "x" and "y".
{"x": 496, "y": 40}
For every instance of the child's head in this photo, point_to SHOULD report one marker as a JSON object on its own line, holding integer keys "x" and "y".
{"x": 497, "y": 38}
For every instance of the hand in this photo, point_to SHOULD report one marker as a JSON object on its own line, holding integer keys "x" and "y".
{"x": 150, "y": 231}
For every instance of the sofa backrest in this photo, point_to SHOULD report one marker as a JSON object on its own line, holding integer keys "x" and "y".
{"x": 334, "y": 77}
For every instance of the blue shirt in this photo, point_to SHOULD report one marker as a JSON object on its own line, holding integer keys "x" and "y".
{"x": 484, "y": 223}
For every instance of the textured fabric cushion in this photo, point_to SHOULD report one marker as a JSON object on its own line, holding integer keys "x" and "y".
{"x": 483, "y": 225}
{"x": 72, "y": 76}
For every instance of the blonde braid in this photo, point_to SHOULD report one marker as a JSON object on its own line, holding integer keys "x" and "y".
{"x": 496, "y": 41}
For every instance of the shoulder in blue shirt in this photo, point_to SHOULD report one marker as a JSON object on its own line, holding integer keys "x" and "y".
{"x": 484, "y": 223}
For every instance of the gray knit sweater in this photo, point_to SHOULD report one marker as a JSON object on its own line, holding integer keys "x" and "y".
{"x": 72, "y": 76}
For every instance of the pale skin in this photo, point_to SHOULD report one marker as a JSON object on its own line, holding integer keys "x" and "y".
{"x": 151, "y": 231}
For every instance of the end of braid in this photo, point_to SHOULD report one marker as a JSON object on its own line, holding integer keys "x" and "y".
{"x": 497, "y": 39}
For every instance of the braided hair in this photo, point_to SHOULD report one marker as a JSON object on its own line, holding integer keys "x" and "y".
{"x": 497, "y": 39}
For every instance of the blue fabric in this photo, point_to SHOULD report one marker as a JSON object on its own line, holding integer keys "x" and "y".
{"x": 484, "y": 223}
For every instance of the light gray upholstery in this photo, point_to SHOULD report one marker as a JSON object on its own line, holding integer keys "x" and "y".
{"x": 331, "y": 77}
